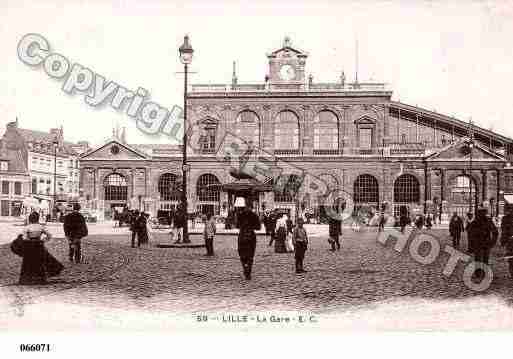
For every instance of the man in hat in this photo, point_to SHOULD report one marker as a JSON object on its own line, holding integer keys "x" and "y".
{"x": 455, "y": 229}
{"x": 75, "y": 229}
{"x": 133, "y": 227}
{"x": 483, "y": 234}
{"x": 248, "y": 223}
{"x": 507, "y": 235}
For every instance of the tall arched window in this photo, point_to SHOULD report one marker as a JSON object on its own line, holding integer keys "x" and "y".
{"x": 208, "y": 188}
{"x": 366, "y": 190}
{"x": 406, "y": 189}
{"x": 207, "y": 137}
{"x": 116, "y": 188}
{"x": 286, "y": 188}
{"x": 325, "y": 133}
{"x": 169, "y": 187}
{"x": 461, "y": 187}
{"x": 286, "y": 133}
{"x": 248, "y": 127}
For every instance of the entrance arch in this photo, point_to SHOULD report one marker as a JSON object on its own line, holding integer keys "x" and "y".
{"x": 461, "y": 187}
{"x": 366, "y": 191}
{"x": 208, "y": 189}
{"x": 406, "y": 192}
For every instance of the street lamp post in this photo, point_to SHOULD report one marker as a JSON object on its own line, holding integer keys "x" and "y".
{"x": 54, "y": 209}
{"x": 471, "y": 148}
{"x": 186, "y": 52}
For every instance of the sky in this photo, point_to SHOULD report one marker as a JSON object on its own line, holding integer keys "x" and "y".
{"x": 453, "y": 57}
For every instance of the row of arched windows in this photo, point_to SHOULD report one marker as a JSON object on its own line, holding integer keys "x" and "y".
{"x": 286, "y": 130}
{"x": 365, "y": 188}
{"x": 208, "y": 188}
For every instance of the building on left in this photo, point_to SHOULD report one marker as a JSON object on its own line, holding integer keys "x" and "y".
{"x": 15, "y": 182}
{"x": 48, "y": 160}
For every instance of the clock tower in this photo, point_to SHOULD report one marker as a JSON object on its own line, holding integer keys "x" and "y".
{"x": 287, "y": 67}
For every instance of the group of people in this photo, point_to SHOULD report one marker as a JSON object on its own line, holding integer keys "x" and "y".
{"x": 139, "y": 227}
{"x": 38, "y": 263}
{"x": 248, "y": 222}
{"x": 279, "y": 227}
{"x": 482, "y": 235}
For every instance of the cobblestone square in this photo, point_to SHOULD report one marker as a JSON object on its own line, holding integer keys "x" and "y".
{"x": 363, "y": 277}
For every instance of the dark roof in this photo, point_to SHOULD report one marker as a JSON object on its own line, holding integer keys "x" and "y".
{"x": 15, "y": 158}
{"x": 35, "y": 136}
{"x": 44, "y": 137}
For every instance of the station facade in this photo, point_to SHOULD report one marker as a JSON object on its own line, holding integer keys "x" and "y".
{"x": 352, "y": 135}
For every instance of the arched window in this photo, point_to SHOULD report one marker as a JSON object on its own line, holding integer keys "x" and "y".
{"x": 461, "y": 200}
{"x": 406, "y": 189}
{"x": 366, "y": 189}
{"x": 286, "y": 188}
{"x": 207, "y": 137}
{"x": 116, "y": 188}
{"x": 325, "y": 133}
{"x": 208, "y": 188}
{"x": 286, "y": 132}
{"x": 169, "y": 188}
{"x": 248, "y": 127}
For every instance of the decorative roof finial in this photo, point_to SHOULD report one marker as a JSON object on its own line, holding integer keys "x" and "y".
{"x": 343, "y": 78}
{"x": 286, "y": 42}
{"x": 234, "y": 74}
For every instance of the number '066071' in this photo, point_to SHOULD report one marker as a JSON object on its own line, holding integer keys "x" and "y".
{"x": 34, "y": 347}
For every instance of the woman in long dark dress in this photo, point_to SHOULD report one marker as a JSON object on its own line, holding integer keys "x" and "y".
{"x": 248, "y": 223}
{"x": 38, "y": 264}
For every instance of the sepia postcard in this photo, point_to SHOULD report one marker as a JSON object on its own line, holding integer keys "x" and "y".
{"x": 305, "y": 168}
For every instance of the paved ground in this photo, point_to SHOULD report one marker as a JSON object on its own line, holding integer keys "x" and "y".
{"x": 365, "y": 285}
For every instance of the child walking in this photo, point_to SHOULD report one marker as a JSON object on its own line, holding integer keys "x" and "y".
{"x": 300, "y": 245}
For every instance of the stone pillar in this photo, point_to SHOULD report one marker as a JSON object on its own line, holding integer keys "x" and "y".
{"x": 95, "y": 184}
{"x": 442, "y": 194}
{"x": 343, "y": 129}
{"x": 267, "y": 129}
{"x": 427, "y": 186}
{"x": 132, "y": 174}
{"x": 306, "y": 132}
{"x": 484, "y": 187}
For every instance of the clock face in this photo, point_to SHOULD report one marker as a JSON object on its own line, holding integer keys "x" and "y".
{"x": 287, "y": 72}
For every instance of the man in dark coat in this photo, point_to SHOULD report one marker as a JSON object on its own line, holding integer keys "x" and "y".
{"x": 133, "y": 228}
{"x": 335, "y": 230}
{"x": 483, "y": 234}
{"x": 455, "y": 229}
{"x": 248, "y": 223}
{"x": 469, "y": 219}
{"x": 75, "y": 229}
{"x": 273, "y": 218}
{"x": 180, "y": 223}
{"x": 507, "y": 235}
{"x": 404, "y": 220}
